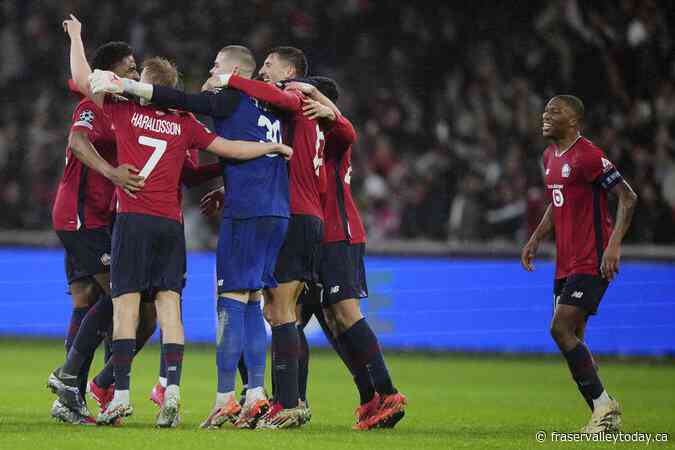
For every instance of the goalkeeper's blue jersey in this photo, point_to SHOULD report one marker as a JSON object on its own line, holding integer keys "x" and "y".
{"x": 258, "y": 187}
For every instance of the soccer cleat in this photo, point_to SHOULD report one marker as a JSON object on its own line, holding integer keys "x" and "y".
{"x": 62, "y": 413}
{"x": 605, "y": 419}
{"x": 391, "y": 410}
{"x": 278, "y": 417}
{"x": 219, "y": 415}
{"x": 365, "y": 412}
{"x": 169, "y": 416}
{"x": 251, "y": 413}
{"x": 306, "y": 412}
{"x": 101, "y": 396}
{"x": 157, "y": 394}
{"x": 65, "y": 386}
{"x": 114, "y": 413}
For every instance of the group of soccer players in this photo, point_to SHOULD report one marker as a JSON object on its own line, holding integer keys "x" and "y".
{"x": 290, "y": 233}
{"x": 132, "y": 143}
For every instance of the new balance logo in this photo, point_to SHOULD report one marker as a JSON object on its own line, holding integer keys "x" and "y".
{"x": 335, "y": 289}
{"x": 577, "y": 294}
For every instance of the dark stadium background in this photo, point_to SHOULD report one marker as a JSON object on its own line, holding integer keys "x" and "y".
{"x": 447, "y": 100}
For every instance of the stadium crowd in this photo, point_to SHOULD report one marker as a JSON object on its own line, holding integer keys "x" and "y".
{"x": 447, "y": 99}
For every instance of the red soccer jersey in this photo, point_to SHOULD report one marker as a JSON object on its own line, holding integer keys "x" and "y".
{"x": 83, "y": 196}
{"x": 342, "y": 219}
{"x": 307, "y": 175}
{"x": 156, "y": 142}
{"x": 578, "y": 181}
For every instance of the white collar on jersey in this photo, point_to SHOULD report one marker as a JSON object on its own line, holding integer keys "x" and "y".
{"x": 558, "y": 154}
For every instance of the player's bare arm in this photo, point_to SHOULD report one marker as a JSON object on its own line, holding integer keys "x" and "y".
{"x": 79, "y": 67}
{"x": 124, "y": 176}
{"x": 624, "y": 215}
{"x": 247, "y": 150}
{"x": 540, "y": 233}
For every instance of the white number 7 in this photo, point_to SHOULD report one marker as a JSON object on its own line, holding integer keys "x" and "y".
{"x": 160, "y": 147}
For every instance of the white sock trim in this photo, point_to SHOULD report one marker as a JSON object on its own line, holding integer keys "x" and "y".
{"x": 603, "y": 400}
{"x": 253, "y": 394}
{"x": 223, "y": 397}
{"x": 121, "y": 397}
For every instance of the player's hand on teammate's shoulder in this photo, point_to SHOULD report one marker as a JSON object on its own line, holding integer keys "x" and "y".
{"x": 610, "y": 261}
{"x": 305, "y": 88}
{"x": 73, "y": 27}
{"x": 316, "y": 111}
{"x": 126, "y": 176}
{"x": 212, "y": 202}
{"x": 528, "y": 254}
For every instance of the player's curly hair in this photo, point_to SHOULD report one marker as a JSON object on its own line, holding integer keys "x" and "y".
{"x": 108, "y": 55}
{"x": 327, "y": 86}
{"x": 293, "y": 56}
{"x": 161, "y": 71}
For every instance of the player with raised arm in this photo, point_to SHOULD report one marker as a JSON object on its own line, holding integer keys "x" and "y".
{"x": 299, "y": 255}
{"x": 82, "y": 216}
{"x": 578, "y": 176}
{"x": 255, "y": 202}
{"x": 148, "y": 243}
{"x": 342, "y": 270}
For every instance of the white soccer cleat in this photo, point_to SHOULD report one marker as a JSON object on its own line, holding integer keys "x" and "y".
{"x": 278, "y": 417}
{"x": 114, "y": 413}
{"x": 62, "y": 413}
{"x": 169, "y": 413}
{"x": 605, "y": 419}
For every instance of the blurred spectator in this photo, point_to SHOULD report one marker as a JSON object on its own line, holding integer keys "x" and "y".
{"x": 447, "y": 102}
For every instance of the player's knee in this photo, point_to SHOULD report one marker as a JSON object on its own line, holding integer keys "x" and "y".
{"x": 84, "y": 294}
{"x": 125, "y": 320}
{"x": 347, "y": 313}
{"x": 562, "y": 332}
{"x": 331, "y": 323}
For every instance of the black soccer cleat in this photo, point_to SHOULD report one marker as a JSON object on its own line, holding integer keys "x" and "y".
{"x": 65, "y": 386}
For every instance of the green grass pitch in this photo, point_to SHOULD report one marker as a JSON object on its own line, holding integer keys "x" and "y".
{"x": 454, "y": 402}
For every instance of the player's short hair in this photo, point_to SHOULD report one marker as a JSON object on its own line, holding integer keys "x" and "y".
{"x": 107, "y": 56}
{"x": 327, "y": 86}
{"x": 293, "y": 56}
{"x": 243, "y": 55}
{"x": 574, "y": 103}
{"x": 161, "y": 71}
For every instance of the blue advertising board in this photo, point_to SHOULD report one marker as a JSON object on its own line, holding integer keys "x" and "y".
{"x": 415, "y": 303}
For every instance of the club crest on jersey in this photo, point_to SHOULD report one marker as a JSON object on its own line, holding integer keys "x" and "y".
{"x": 566, "y": 170}
{"x": 87, "y": 116}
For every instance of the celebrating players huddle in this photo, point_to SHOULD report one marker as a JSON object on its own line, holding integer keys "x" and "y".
{"x": 132, "y": 144}
{"x": 290, "y": 234}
